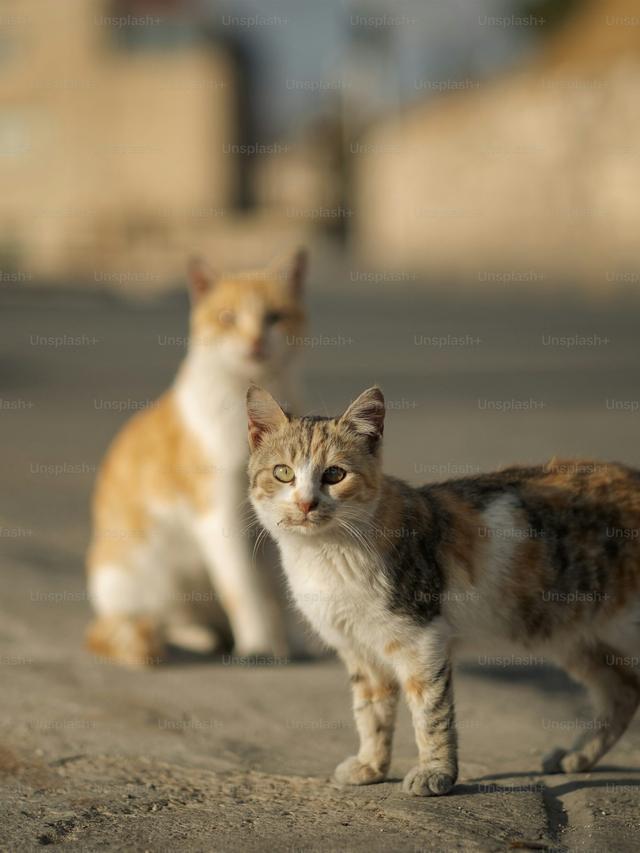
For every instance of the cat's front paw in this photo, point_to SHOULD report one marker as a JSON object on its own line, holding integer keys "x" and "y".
{"x": 425, "y": 782}
{"x": 566, "y": 761}
{"x": 352, "y": 771}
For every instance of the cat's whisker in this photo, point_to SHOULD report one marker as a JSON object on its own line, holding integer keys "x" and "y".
{"x": 244, "y": 503}
{"x": 353, "y": 515}
{"x": 364, "y": 518}
{"x": 357, "y": 535}
{"x": 243, "y": 531}
{"x": 259, "y": 540}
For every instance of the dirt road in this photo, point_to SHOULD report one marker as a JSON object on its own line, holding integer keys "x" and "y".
{"x": 217, "y": 755}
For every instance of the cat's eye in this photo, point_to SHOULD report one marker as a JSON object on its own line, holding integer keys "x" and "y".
{"x": 333, "y": 475}
{"x": 273, "y": 317}
{"x": 227, "y": 317}
{"x": 283, "y": 473}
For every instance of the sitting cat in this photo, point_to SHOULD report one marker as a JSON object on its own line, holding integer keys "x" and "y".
{"x": 528, "y": 554}
{"x": 170, "y": 515}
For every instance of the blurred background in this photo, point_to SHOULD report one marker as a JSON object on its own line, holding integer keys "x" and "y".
{"x": 465, "y": 174}
{"x": 424, "y": 138}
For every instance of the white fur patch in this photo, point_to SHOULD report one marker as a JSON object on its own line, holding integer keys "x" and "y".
{"x": 338, "y": 590}
{"x": 117, "y": 591}
{"x": 306, "y": 485}
{"x": 213, "y": 408}
{"x": 481, "y": 609}
{"x": 150, "y": 578}
{"x": 503, "y": 535}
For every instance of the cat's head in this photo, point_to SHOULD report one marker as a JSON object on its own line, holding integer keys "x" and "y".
{"x": 314, "y": 475}
{"x": 248, "y": 323}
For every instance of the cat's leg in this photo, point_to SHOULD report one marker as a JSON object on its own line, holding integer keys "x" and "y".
{"x": 426, "y": 675}
{"x": 125, "y": 629}
{"x": 183, "y": 631}
{"x": 196, "y": 622}
{"x": 615, "y": 692}
{"x": 375, "y": 699}
{"x": 253, "y": 613}
{"x": 134, "y": 589}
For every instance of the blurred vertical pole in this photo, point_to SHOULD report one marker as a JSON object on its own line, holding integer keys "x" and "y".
{"x": 372, "y": 87}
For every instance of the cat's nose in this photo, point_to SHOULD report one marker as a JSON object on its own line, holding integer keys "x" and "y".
{"x": 307, "y": 506}
{"x": 257, "y": 348}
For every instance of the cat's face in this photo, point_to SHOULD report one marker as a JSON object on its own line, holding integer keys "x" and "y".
{"x": 250, "y": 324}
{"x": 314, "y": 475}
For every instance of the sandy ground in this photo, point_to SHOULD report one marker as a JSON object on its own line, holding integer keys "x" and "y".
{"x": 216, "y": 755}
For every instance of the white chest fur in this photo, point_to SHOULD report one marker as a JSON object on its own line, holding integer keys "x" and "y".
{"x": 337, "y": 589}
{"x": 213, "y": 406}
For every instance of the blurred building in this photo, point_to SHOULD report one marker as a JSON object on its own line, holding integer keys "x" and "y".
{"x": 534, "y": 174}
{"x": 121, "y": 134}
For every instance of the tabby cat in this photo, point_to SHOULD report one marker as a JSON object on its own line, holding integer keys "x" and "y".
{"x": 170, "y": 560}
{"x": 544, "y": 555}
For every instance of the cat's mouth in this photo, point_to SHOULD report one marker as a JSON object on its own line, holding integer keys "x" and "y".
{"x": 257, "y": 362}
{"x": 306, "y": 524}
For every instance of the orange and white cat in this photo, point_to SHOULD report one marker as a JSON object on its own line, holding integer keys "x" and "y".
{"x": 170, "y": 558}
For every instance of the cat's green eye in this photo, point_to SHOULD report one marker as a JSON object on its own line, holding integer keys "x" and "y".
{"x": 333, "y": 475}
{"x": 227, "y": 317}
{"x": 283, "y": 473}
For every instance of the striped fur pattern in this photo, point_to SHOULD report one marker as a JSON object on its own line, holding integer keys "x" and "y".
{"x": 171, "y": 559}
{"x": 391, "y": 576}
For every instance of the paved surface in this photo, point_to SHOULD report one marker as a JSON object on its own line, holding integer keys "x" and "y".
{"x": 211, "y": 756}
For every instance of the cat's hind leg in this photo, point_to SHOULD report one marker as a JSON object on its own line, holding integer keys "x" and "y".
{"x": 614, "y": 687}
{"x": 127, "y": 628}
{"x": 133, "y": 641}
{"x": 148, "y": 591}
{"x": 134, "y": 625}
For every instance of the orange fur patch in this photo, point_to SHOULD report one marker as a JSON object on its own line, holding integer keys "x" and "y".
{"x": 153, "y": 459}
{"x": 368, "y": 691}
{"x": 384, "y": 691}
{"x": 415, "y": 687}
{"x": 129, "y": 641}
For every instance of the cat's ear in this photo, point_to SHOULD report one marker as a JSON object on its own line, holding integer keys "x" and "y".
{"x": 365, "y": 415}
{"x": 293, "y": 271}
{"x": 201, "y": 278}
{"x": 264, "y": 413}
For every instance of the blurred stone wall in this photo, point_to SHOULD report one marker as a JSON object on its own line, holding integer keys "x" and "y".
{"x": 117, "y": 161}
{"x": 534, "y": 175}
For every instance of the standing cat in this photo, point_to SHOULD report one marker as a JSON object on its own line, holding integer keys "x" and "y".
{"x": 543, "y": 555}
{"x": 170, "y": 499}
